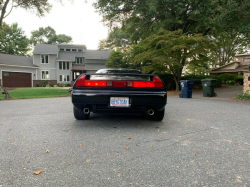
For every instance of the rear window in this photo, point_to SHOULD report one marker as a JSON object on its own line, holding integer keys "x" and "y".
{"x": 119, "y": 77}
{"x": 118, "y": 71}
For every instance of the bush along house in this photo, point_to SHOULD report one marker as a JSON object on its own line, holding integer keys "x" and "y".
{"x": 53, "y": 64}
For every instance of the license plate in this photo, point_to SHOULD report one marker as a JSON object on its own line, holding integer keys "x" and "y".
{"x": 119, "y": 101}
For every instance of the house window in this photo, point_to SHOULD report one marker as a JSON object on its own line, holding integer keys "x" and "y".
{"x": 64, "y": 78}
{"x": 79, "y": 60}
{"x": 61, "y": 49}
{"x": 246, "y": 59}
{"x": 60, "y": 65}
{"x": 73, "y": 49}
{"x": 79, "y": 50}
{"x": 5, "y": 74}
{"x": 63, "y": 65}
{"x": 44, "y": 59}
{"x": 45, "y": 75}
{"x": 68, "y": 49}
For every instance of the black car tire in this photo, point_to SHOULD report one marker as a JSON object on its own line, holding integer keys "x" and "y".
{"x": 79, "y": 115}
{"x": 158, "y": 115}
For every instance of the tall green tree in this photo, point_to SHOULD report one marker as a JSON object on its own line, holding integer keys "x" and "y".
{"x": 227, "y": 44}
{"x": 48, "y": 35}
{"x": 170, "y": 51}
{"x": 39, "y": 7}
{"x": 142, "y": 18}
{"x": 13, "y": 40}
{"x": 233, "y": 15}
{"x": 117, "y": 39}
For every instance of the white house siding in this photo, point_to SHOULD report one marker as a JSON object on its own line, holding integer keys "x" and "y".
{"x": 17, "y": 69}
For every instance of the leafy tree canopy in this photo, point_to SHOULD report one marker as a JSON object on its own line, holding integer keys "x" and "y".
{"x": 142, "y": 18}
{"x": 116, "y": 39}
{"x": 48, "y": 35}
{"x": 170, "y": 51}
{"x": 39, "y": 7}
{"x": 13, "y": 41}
{"x": 227, "y": 44}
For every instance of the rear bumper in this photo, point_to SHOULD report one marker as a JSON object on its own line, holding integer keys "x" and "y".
{"x": 99, "y": 101}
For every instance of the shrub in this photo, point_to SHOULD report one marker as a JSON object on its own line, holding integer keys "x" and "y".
{"x": 168, "y": 81}
{"x": 240, "y": 80}
{"x": 227, "y": 77}
{"x": 243, "y": 96}
{"x": 37, "y": 85}
{"x": 44, "y": 83}
{"x": 68, "y": 85}
{"x": 47, "y": 85}
{"x": 55, "y": 85}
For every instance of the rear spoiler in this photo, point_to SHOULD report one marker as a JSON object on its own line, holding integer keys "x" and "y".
{"x": 84, "y": 81}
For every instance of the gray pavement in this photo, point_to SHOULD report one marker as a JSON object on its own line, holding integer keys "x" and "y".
{"x": 200, "y": 142}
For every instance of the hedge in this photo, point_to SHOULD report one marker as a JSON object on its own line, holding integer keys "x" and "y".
{"x": 170, "y": 84}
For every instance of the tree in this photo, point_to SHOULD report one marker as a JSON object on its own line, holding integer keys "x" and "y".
{"x": 141, "y": 18}
{"x": 116, "y": 39}
{"x": 116, "y": 60}
{"x": 171, "y": 51}
{"x": 13, "y": 41}
{"x": 48, "y": 35}
{"x": 39, "y": 7}
{"x": 227, "y": 45}
{"x": 233, "y": 15}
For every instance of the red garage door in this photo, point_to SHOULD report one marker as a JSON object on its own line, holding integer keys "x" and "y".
{"x": 16, "y": 79}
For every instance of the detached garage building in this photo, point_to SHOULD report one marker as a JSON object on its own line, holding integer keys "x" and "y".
{"x": 17, "y": 71}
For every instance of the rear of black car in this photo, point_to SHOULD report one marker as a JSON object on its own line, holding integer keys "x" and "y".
{"x": 119, "y": 93}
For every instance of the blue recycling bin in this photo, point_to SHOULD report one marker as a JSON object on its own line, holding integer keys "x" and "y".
{"x": 186, "y": 88}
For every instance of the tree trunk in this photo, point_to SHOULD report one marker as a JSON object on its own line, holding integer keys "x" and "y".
{"x": 3, "y": 12}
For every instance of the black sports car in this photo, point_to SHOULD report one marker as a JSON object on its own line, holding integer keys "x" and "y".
{"x": 121, "y": 91}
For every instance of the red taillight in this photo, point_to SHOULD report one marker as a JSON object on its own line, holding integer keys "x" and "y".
{"x": 81, "y": 81}
{"x": 96, "y": 83}
{"x": 156, "y": 83}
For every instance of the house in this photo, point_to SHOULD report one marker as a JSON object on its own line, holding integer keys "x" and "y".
{"x": 239, "y": 66}
{"x": 61, "y": 63}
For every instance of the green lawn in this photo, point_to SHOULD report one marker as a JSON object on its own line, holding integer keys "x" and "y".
{"x": 25, "y": 93}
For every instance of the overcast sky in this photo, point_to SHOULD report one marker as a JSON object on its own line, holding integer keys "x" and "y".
{"x": 78, "y": 20}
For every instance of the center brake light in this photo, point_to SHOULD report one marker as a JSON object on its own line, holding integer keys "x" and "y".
{"x": 156, "y": 83}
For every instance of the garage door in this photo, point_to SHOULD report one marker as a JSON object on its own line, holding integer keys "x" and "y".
{"x": 16, "y": 79}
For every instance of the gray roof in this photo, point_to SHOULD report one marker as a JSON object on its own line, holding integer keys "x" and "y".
{"x": 97, "y": 54}
{"x": 94, "y": 66}
{"x": 15, "y": 60}
{"x": 69, "y": 56}
{"x": 46, "y": 49}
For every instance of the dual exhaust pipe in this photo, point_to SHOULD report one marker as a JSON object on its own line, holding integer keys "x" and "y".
{"x": 86, "y": 111}
{"x": 151, "y": 112}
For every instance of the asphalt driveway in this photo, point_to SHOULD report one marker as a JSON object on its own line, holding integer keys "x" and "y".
{"x": 200, "y": 142}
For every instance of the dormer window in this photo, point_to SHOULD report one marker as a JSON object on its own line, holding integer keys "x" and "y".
{"x": 79, "y": 50}
{"x": 73, "y": 49}
{"x": 44, "y": 59}
{"x": 61, "y": 49}
{"x": 68, "y": 49}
